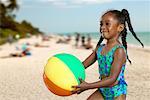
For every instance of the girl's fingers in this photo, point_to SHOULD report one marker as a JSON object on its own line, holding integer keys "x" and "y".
{"x": 80, "y": 79}
{"x": 75, "y": 91}
{"x": 76, "y": 86}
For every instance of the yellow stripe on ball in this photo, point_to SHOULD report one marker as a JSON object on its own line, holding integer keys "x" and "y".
{"x": 59, "y": 73}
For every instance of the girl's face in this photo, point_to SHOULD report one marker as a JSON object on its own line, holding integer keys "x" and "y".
{"x": 109, "y": 26}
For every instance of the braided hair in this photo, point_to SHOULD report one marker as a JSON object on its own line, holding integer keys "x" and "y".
{"x": 123, "y": 18}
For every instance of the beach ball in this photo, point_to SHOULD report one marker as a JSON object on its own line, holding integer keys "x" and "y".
{"x": 61, "y": 72}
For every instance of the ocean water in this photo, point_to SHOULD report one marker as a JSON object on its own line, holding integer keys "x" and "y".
{"x": 143, "y": 36}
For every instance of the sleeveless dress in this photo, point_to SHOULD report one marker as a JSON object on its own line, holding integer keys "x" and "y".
{"x": 105, "y": 64}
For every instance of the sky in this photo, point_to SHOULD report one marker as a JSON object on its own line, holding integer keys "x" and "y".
{"x": 58, "y": 16}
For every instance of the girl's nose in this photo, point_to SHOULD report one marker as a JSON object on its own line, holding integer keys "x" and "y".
{"x": 102, "y": 28}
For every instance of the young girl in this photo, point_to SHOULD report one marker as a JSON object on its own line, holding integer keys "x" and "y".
{"x": 111, "y": 58}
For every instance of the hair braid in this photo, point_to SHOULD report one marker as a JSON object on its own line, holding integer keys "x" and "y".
{"x": 123, "y": 37}
{"x": 100, "y": 41}
{"x": 127, "y": 18}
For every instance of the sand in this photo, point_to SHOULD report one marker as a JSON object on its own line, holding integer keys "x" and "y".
{"x": 21, "y": 77}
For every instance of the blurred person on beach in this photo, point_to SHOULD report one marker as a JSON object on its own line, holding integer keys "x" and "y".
{"x": 88, "y": 45}
{"x": 45, "y": 38}
{"x": 112, "y": 58}
{"x": 10, "y": 39}
{"x": 83, "y": 40}
{"x": 68, "y": 39}
{"x": 63, "y": 39}
{"x": 25, "y": 52}
{"x": 40, "y": 45}
{"x": 77, "y": 39}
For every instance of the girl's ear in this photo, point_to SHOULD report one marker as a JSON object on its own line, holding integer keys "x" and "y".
{"x": 120, "y": 27}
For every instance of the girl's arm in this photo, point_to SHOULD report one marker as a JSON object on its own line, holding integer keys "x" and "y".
{"x": 90, "y": 59}
{"x": 119, "y": 60}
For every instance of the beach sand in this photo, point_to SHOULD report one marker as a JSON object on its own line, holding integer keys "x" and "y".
{"x": 21, "y": 78}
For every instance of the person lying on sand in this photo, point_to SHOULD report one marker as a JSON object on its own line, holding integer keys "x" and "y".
{"x": 39, "y": 45}
{"x": 25, "y": 52}
{"x": 22, "y": 54}
{"x": 64, "y": 40}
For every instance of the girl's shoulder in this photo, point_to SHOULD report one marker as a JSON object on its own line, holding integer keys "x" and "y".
{"x": 119, "y": 46}
{"x": 119, "y": 50}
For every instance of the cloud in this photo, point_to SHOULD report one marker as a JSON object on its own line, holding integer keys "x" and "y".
{"x": 74, "y": 3}
{"x": 90, "y": 2}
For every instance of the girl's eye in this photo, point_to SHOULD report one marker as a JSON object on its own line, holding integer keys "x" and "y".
{"x": 107, "y": 23}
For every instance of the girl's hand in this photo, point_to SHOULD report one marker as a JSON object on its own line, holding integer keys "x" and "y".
{"x": 80, "y": 88}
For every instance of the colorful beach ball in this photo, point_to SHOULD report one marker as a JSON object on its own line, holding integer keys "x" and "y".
{"x": 61, "y": 72}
